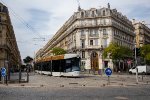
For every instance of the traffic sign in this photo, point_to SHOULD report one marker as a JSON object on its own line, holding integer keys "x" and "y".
{"x": 108, "y": 72}
{"x": 3, "y": 72}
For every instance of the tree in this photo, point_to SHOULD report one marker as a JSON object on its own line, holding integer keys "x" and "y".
{"x": 145, "y": 53}
{"x": 28, "y": 59}
{"x": 117, "y": 53}
{"x": 58, "y": 51}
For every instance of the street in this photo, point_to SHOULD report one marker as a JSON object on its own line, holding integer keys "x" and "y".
{"x": 76, "y": 93}
{"x": 87, "y": 87}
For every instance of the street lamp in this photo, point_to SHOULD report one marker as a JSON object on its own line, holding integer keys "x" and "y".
{"x": 136, "y": 63}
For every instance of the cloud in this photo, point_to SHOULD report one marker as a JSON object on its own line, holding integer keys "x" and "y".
{"x": 40, "y": 17}
{"x": 47, "y": 16}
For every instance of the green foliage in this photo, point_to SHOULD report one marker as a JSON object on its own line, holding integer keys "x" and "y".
{"x": 116, "y": 52}
{"x": 58, "y": 51}
{"x": 28, "y": 59}
{"x": 145, "y": 53}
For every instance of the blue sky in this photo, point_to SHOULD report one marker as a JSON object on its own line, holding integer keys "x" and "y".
{"x": 47, "y": 16}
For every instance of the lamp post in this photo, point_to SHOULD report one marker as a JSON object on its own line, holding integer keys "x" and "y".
{"x": 136, "y": 64}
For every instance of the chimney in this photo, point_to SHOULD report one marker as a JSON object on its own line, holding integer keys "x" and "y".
{"x": 143, "y": 22}
{"x": 108, "y": 5}
{"x": 79, "y": 8}
{"x": 133, "y": 21}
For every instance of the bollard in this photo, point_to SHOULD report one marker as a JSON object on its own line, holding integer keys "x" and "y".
{"x": 20, "y": 76}
{"x": 6, "y": 81}
{"x": 27, "y": 75}
{"x": 0, "y": 75}
{"x": 108, "y": 80}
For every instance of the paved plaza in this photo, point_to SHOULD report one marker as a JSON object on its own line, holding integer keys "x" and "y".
{"x": 86, "y": 87}
{"x": 85, "y": 80}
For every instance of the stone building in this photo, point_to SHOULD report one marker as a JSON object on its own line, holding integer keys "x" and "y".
{"x": 88, "y": 32}
{"x": 142, "y": 33}
{"x": 9, "y": 53}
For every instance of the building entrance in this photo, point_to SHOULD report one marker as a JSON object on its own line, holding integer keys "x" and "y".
{"x": 94, "y": 61}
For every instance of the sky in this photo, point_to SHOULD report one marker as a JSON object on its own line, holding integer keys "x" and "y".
{"x": 34, "y": 20}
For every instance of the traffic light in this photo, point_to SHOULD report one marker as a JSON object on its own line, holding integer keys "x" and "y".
{"x": 137, "y": 52}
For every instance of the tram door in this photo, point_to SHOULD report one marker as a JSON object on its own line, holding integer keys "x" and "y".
{"x": 94, "y": 61}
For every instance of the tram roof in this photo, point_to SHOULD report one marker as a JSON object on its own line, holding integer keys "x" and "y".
{"x": 57, "y": 57}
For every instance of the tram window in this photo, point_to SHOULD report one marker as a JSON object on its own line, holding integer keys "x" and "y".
{"x": 68, "y": 61}
{"x": 75, "y": 68}
{"x": 68, "y": 65}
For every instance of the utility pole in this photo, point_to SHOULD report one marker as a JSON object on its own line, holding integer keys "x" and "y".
{"x": 136, "y": 64}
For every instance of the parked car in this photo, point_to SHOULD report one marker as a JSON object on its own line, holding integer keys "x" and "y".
{"x": 142, "y": 69}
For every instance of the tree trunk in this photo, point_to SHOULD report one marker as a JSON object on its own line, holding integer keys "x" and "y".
{"x": 119, "y": 65}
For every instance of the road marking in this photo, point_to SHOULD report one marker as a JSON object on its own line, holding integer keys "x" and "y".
{"x": 121, "y": 98}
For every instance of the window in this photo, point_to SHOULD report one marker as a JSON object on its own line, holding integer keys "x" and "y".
{"x": 91, "y": 32}
{"x": 141, "y": 38}
{"x": 82, "y": 33}
{"x": 104, "y": 13}
{"x": 104, "y": 32}
{"x": 5, "y": 9}
{"x": 83, "y": 43}
{"x": 91, "y": 42}
{"x": 93, "y": 14}
{"x": 104, "y": 21}
{"x": 94, "y": 54}
{"x": 105, "y": 42}
{"x": 82, "y": 14}
{"x": 83, "y": 63}
{"x": 83, "y": 54}
{"x": 96, "y": 31}
{"x": 96, "y": 42}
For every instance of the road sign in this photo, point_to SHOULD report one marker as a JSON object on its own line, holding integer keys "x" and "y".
{"x": 108, "y": 72}
{"x": 3, "y": 72}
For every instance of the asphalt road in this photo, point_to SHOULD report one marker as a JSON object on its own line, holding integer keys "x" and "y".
{"x": 140, "y": 92}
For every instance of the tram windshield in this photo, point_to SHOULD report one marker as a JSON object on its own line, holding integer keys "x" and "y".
{"x": 72, "y": 65}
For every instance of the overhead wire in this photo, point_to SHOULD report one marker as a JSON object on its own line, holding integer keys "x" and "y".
{"x": 24, "y": 22}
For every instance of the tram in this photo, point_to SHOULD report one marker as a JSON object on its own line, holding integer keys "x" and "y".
{"x": 60, "y": 65}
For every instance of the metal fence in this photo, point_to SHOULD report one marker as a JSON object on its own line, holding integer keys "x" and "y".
{"x": 15, "y": 77}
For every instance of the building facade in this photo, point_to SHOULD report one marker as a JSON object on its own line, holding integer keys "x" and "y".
{"x": 9, "y": 52}
{"x": 142, "y": 33}
{"x": 88, "y": 32}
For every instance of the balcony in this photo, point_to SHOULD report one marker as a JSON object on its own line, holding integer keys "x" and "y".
{"x": 83, "y": 36}
{"x": 105, "y": 36}
{"x": 89, "y": 47}
{"x": 94, "y": 35}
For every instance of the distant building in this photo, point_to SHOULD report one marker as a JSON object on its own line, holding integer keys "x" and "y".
{"x": 88, "y": 32}
{"x": 142, "y": 33}
{"x": 9, "y": 52}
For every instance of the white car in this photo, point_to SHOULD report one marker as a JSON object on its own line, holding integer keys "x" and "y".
{"x": 143, "y": 69}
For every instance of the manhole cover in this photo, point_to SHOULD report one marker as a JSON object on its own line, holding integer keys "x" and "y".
{"x": 121, "y": 98}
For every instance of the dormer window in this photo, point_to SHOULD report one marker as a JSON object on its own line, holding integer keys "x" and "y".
{"x": 82, "y": 14}
{"x": 104, "y": 13}
{"x": 93, "y": 14}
